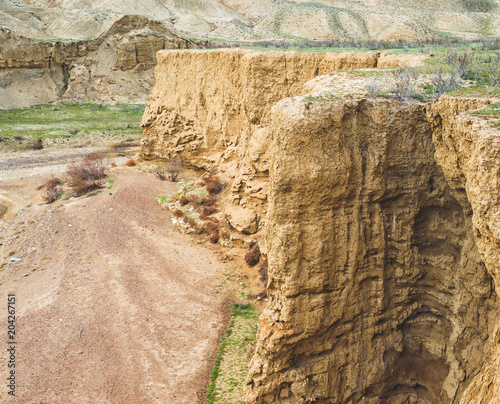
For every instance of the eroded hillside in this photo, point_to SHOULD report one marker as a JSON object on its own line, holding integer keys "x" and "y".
{"x": 379, "y": 220}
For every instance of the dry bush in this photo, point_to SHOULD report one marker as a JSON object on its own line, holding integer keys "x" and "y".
{"x": 51, "y": 189}
{"x": 161, "y": 171}
{"x": 38, "y": 145}
{"x": 191, "y": 222}
{"x": 374, "y": 87}
{"x": 213, "y": 184}
{"x": 404, "y": 83}
{"x": 186, "y": 219}
{"x": 494, "y": 72}
{"x": 174, "y": 167}
{"x": 211, "y": 227}
{"x": 462, "y": 62}
{"x": 184, "y": 200}
{"x": 214, "y": 237}
{"x": 445, "y": 80}
{"x": 209, "y": 200}
{"x": 178, "y": 213}
{"x": 113, "y": 165}
{"x": 209, "y": 210}
{"x": 131, "y": 163}
{"x": 263, "y": 272}
{"x": 252, "y": 257}
{"x": 86, "y": 175}
{"x": 225, "y": 236}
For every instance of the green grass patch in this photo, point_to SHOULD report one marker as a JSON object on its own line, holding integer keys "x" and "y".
{"x": 231, "y": 365}
{"x": 93, "y": 193}
{"x": 492, "y": 112}
{"x": 63, "y": 122}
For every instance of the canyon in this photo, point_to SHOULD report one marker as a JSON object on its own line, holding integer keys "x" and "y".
{"x": 379, "y": 220}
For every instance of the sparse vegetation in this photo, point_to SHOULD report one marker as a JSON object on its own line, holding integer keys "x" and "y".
{"x": 130, "y": 163}
{"x": 86, "y": 175}
{"x": 52, "y": 190}
{"x": 231, "y": 365}
{"x": 252, "y": 257}
{"x": 404, "y": 83}
{"x": 174, "y": 167}
{"x": 78, "y": 124}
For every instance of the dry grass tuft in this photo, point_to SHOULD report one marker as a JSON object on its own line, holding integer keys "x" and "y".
{"x": 131, "y": 163}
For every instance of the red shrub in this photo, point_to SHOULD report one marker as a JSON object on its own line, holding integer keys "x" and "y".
{"x": 252, "y": 257}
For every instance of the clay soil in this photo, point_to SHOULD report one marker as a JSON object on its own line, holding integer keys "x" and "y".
{"x": 113, "y": 305}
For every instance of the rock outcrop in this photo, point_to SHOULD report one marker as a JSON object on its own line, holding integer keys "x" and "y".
{"x": 379, "y": 218}
{"x": 116, "y": 66}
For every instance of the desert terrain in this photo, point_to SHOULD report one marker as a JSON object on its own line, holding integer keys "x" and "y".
{"x": 228, "y": 202}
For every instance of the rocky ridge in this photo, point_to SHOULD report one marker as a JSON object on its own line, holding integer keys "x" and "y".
{"x": 379, "y": 221}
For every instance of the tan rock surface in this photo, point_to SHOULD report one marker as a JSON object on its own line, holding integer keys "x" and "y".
{"x": 380, "y": 224}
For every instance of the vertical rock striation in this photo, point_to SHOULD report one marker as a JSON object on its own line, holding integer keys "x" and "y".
{"x": 378, "y": 292}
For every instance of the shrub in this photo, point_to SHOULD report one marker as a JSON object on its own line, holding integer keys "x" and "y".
{"x": 462, "y": 62}
{"x": 86, "y": 175}
{"x": 213, "y": 184}
{"x": 178, "y": 213}
{"x": 191, "y": 222}
{"x": 404, "y": 83}
{"x": 209, "y": 210}
{"x": 374, "y": 86}
{"x": 494, "y": 72}
{"x": 131, "y": 163}
{"x": 161, "y": 171}
{"x": 209, "y": 200}
{"x": 211, "y": 227}
{"x": 214, "y": 237}
{"x": 445, "y": 80}
{"x": 38, "y": 145}
{"x": 184, "y": 200}
{"x": 252, "y": 257}
{"x": 174, "y": 167}
{"x": 51, "y": 190}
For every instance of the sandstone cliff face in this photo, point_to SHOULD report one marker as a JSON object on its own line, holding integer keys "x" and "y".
{"x": 210, "y": 107}
{"x": 380, "y": 223}
{"x": 378, "y": 291}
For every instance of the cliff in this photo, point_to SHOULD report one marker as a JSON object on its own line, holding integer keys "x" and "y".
{"x": 115, "y": 66}
{"x": 379, "y": 220}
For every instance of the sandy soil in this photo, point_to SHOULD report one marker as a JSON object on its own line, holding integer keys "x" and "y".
{"x": 113, "y": 305}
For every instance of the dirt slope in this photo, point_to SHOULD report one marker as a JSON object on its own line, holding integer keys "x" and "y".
{"x": 116, "y": 307}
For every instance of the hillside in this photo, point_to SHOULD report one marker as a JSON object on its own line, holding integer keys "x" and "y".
{"x": 241, "y": 20}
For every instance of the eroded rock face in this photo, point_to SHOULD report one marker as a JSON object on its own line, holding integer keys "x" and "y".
{"x": 115, "y": 66}
{"x": 380, "y": 222}
{"x": 378, "y": 292}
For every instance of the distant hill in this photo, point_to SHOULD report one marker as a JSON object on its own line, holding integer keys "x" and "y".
{"x": 261, "y": 19}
